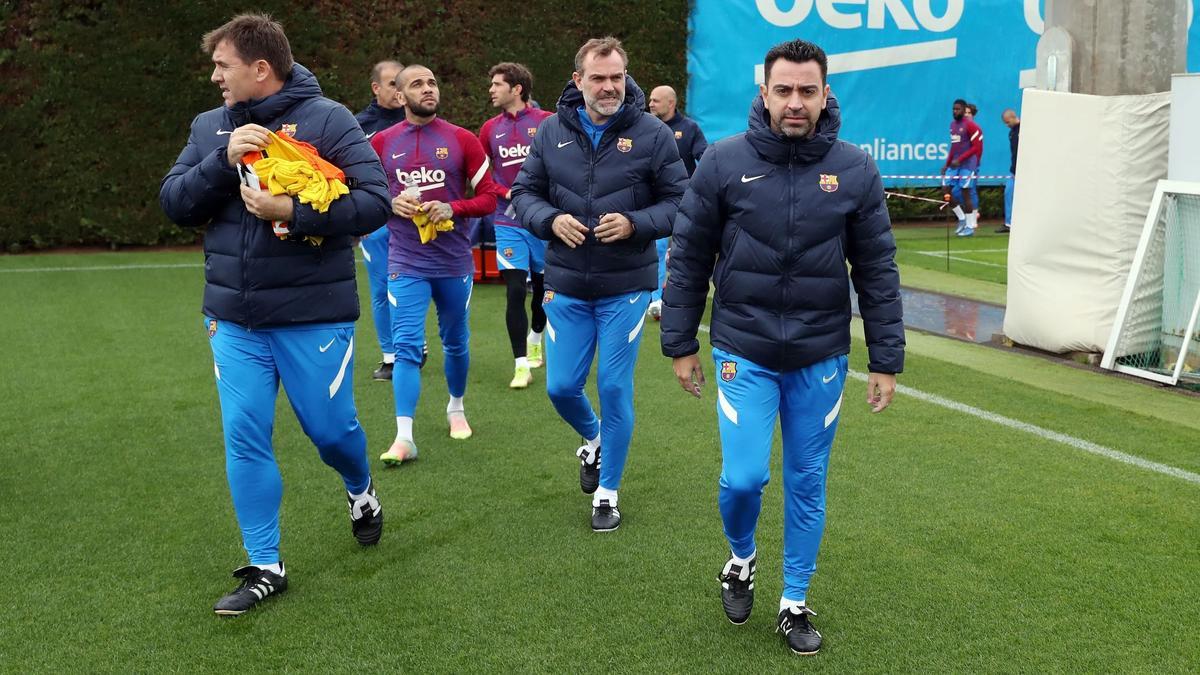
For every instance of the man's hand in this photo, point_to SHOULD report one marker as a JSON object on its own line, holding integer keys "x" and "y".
{"x": 954, "y": 164}
{"x": 569, "y": 230}
{"x": 246, "y": 139}
{"x": 689, "y": 374}
{"x": 613, "y": 227}
{"x": 880, "y": 388}
{"x": 405, "y": 206}
{"x": 438, "y": 211}
{"x": 267, "y": 206}
{"x": 943, "y": 171}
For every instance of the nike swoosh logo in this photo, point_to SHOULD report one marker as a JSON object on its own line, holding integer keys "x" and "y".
{"x": 222, "y": 132}
{"x": 635, "y": 298}
{"x": 747, "y": 180}
{"x": 327, "y": 346}
{"x": 829, "y": 379}
{"x": 399, "y": 155}
{"x": 502, "y": 135}
{"x": 563, "y": 145}
{"x": 371, "y": 134}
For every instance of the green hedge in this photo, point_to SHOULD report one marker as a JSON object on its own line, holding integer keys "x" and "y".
{"x": 98, "y": 95}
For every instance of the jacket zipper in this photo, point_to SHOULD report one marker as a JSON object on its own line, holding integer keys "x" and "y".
{"x": 787, "y": 259}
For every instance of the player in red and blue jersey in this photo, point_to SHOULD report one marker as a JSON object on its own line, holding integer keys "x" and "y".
{"x": 962, "y": 164}
{"x": 506, "y": 138}
{"x": 431, "y": 166}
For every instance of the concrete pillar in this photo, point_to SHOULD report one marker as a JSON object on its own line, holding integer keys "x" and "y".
{"x": 1122, "y": 46}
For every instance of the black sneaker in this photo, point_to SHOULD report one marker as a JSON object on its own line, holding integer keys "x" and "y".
{"x": 257, "y": 584}
{"x": 366, "y": 517}
{"x": 1003, "y": 229}
{"x": 424, "y": 355}
{"x": 737, "y": 590}
{"x": 589, "y": 474}
{"x": 798, "y": 633}
{"x": 605, "y": 518}
{"x": 383, "y": 372}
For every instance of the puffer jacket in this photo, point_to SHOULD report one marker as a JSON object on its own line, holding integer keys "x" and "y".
{"x": 635, "y": 171}
{"x": 253, "y": 278}
{"x": 773, "y": 221}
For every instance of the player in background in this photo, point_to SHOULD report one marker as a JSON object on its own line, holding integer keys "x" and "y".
{"x": 431, "y": 167}
{"x": 690, "y": 141}
{"x": 962, "y": 163}
{"x": 519, "y": 255}
{"x": 1014, "y": 138}
{"x": 277, "y": 310}
{"x": 972, "y": 114}
{"x": 777, "y": 212}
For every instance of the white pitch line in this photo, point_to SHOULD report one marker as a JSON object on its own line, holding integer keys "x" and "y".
{"x": 970, "y": 250}
{"x": 104, "y": 268}
{"x": 958, "y": 259}
{"x": 1077, "y": 443}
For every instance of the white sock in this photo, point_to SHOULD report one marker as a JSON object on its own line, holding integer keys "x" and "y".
{"x": 604, "y": 493}
{"x": 594, "y": 444}
{"x": 361, "y": 496}
{"x": 534, "y": 338}
{"x": 784, "y": 603}
{"x": 742, "y": 561}
{"x": 404, "y": 428}
{"x": 976, "y": 214}
{"x": 276, "y": 567}
{"x": 455, "y": 405}
{"x": 958, "y": 212}
{"x": 389, "y": 358}
{"x": 972, "y": 220}
{"x": 522, "y": 362}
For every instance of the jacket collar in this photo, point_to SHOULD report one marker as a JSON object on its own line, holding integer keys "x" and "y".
{"x": 300, "y": 85}
{"x": 571, "y": 99}
{"x": 779, "y": 150}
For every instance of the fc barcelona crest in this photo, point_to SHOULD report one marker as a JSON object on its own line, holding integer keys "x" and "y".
{"x": 828, "y": 182}
{"x": 443, "y": 153}
{"x": 212, "y": 327}
{"x": 289, "y": 129}
{"x": 532, "y": 131}
{"x": 547, "y": 297}
{"x": 728, "y": 370}
{"x": 678, "y": 135}
{"x": 507, "y": 252}
{"x": 624, "y": 144}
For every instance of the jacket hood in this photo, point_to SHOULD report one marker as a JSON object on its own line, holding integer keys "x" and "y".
{"x": 300, "y": 85}
{"x": 779, "y": 150}
{"x": 572, "y": 99}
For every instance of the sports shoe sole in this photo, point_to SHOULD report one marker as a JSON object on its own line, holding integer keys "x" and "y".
{"x": 610, "y": 529}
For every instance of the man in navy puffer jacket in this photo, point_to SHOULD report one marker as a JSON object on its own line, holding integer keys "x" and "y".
{"x": 277, "y": 310}
{"x": 602, "y": 181}
{"x": 779, "y": 210}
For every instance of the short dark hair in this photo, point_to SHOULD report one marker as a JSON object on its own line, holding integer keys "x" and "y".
{"x": 601, "y": 47}
{"x": 377, "y": 71}
{"x": 514, "y": 74}
{"x": 959, "y": 101}
{"x": 973, "y": 108}
{"x": 254, "y": 37}
{"x": 405, "y": 69}
{"x": 796, "y": 51}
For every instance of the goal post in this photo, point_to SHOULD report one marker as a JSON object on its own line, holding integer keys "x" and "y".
{"x": 1155, "y": 333}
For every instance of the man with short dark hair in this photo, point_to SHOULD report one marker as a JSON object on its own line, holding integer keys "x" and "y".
{"x": 280, "y": 299}
{"x": 962, "y": 163}
{"x": 771, "y": 217}
{"x": 386, "y": 108}
{"x": 691, "y": 143}
{"x": 506, "y": 138}
{"x": 602, "y": 181}
{"x": 432, "y": 166}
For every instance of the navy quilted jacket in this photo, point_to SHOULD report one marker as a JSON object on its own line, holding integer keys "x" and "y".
{"x": 253, "y": 278}
{"x": 773, "y": 223}
{"x": 635, "y": 171}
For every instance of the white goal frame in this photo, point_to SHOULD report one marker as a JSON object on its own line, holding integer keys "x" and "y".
{"x": 1139, "y": 262}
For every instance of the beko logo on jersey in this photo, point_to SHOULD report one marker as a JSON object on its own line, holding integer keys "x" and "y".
{"x": 905, "y": 15}
{"x": 515, "y": 151}
{"x": 421, "y": 175}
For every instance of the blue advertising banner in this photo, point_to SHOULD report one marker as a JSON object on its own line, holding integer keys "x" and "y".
{"x": 896, "y": 67}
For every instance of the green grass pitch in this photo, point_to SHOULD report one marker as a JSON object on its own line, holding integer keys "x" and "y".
{"x": 953, "y": 544}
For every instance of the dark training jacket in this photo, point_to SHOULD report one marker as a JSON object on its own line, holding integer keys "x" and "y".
{"x": 635, "y": 171}
{"x": 253, "y": 278}
{"x": 779, "y": 219}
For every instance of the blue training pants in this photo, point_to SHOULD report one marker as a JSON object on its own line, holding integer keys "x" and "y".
{"x": 315, "y": 363}
{"x": 375, "y": 256}
{"x": 575, "y": 329}
{"x": 806, "y": 402}
{"x": 410, "y": 298}
{"x": 661, "y": 245}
